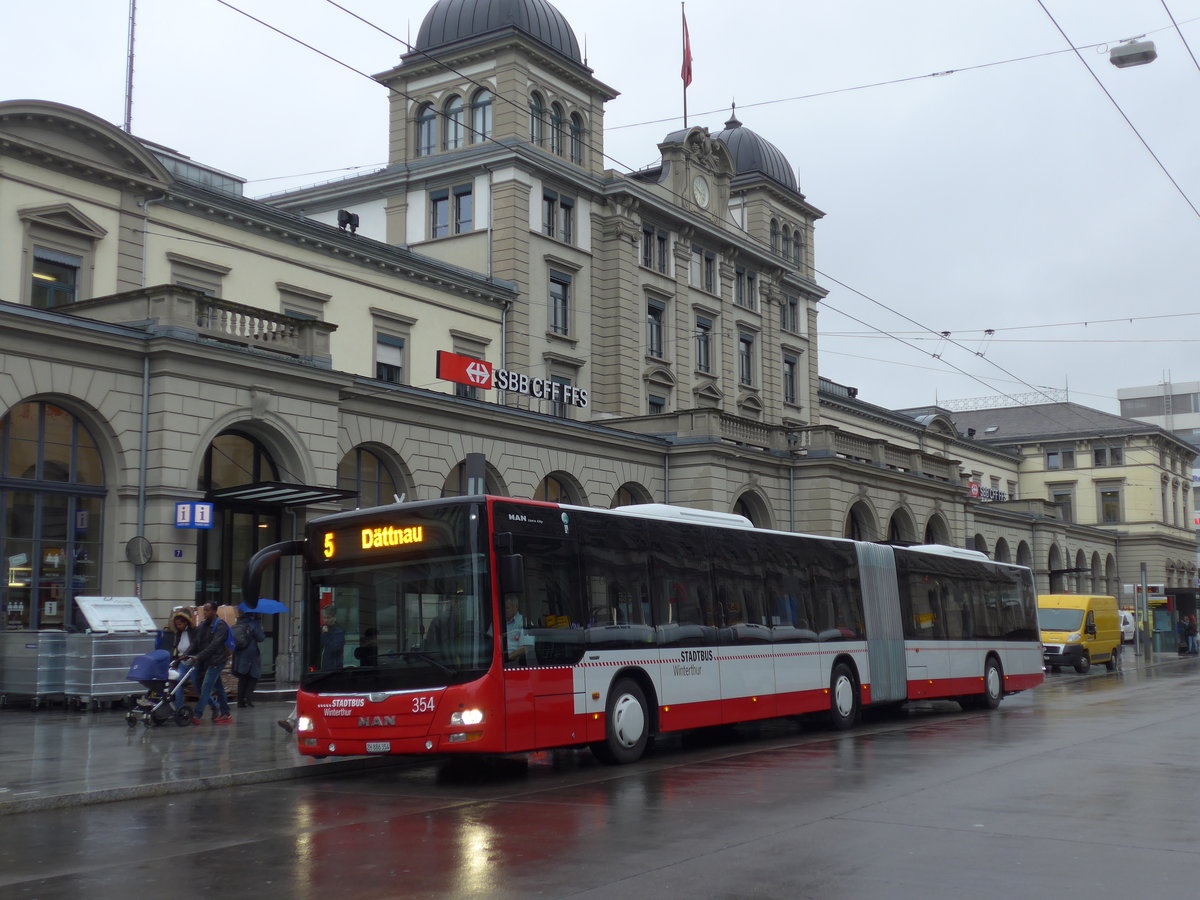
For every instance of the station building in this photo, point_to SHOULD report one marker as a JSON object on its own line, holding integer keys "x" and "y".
{"x": 174, "y": 349}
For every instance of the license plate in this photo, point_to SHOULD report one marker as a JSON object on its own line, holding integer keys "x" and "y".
{"x": 379, "y": 747}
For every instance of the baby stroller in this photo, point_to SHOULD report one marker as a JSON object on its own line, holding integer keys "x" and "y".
{"x": 163, "y": 700}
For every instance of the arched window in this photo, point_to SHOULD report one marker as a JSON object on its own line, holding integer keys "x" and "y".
{"x": 537, "y": 118}
{"x": 368, "y": 475}
{"x": 576, "y": 139}
{"x": 774, "y": 236}
{"x": 455, "y": 124}
{"x": 556, "y": 130}
{"x": 456, "y": 482}
{"x": 786, "y": 245}
{"x": 481, "y": 116}
{"x": 553, "y": 489}
{"x": 426, "y": 130}
{"x": 796, "y": 245}
{"x": 51, "y": 513}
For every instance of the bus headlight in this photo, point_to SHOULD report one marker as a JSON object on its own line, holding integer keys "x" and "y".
{"x": 467, "y": 717}
{"x": 304, "y": 723}
{"x": 1072, "y": 638}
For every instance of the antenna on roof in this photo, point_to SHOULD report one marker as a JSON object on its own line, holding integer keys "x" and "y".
{"x": 129, "y": 70}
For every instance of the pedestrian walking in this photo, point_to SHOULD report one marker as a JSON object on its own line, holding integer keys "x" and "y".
{"x": 1192, "y": 646}
{"x": 209, "y": 659}
{"x": 247, "y": 658}
{"x": 179, "y": 639}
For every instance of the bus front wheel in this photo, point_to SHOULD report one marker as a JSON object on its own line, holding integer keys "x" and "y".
{"x": 843, "y": 698}
{"x": 627, "y": 725}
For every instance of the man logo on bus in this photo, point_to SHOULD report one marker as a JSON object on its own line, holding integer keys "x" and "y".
{"x": 375, "y": 721}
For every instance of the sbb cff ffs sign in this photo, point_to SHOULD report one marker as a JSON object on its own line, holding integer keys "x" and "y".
{"x": 481, "y": 374}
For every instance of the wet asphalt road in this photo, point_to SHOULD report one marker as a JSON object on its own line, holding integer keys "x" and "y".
{"x": 1085, "y": 787}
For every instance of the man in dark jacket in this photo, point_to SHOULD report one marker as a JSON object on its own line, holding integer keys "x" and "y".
{"x": 209, "y": 658}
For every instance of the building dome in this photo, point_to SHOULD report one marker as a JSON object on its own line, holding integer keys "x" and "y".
{"x": 451, "y": 21}
{"x": 755, "y": 155}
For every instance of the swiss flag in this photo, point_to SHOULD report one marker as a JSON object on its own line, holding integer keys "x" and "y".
{"x": 686, "y": 72}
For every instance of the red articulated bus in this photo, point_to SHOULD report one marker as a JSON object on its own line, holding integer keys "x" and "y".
{"x": 495, "y": 625}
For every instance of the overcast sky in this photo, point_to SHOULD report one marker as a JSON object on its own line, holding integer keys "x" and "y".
{"x": 1008, "y": 193}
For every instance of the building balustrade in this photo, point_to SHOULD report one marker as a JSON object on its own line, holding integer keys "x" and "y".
{"x": 187, "y": 314}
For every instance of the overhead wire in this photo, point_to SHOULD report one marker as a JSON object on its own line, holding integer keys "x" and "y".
{"x": 1175, "y": 25}
{"x": 1117, "y": 106}
{"x": 1084, "y": 322}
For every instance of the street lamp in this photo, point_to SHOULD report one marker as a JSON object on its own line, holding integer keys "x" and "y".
{"x": 1132, "y": 53}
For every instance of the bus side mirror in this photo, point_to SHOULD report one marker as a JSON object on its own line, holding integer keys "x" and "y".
{"x": 512, "y": 574}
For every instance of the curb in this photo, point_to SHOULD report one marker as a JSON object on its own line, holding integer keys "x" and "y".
{"x": 194, "y": 785}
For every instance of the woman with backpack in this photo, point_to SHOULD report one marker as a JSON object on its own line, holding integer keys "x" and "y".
{"x": 247, "y": 659}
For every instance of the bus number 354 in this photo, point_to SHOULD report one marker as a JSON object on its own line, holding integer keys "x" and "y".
{"x": 422, "y": 704}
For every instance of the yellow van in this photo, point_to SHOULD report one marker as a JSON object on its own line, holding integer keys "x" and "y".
{"x": 1078, "y": 630}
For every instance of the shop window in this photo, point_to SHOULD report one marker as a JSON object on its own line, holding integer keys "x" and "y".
{"x": 51, "y": 516}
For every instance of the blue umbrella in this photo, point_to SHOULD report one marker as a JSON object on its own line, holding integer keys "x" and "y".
{"x": 266, "y": 606}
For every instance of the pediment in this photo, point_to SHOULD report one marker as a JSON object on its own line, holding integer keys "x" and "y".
{"x": 659, "y": 375}
{"x": 708, "y": 395}
{"x": 64, "y": 217}
{"x": 749, "y": 403}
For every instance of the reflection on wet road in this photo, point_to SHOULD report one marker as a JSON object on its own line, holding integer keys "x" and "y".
{"x": 1083, "y": 786}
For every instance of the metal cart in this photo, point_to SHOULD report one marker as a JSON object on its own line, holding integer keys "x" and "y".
{"x": 32, "y": 665}
{"x": 97, "y": 661}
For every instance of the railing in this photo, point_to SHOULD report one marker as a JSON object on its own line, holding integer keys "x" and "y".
{"x": 187, "y": 314}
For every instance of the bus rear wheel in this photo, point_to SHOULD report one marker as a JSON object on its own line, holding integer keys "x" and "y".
{"x": 627, "y": 725}
{"x": 843, "y": 698}
{"x": 993, "y": 685}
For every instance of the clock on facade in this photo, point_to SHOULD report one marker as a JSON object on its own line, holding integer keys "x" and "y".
{"x": 700, "y": 190}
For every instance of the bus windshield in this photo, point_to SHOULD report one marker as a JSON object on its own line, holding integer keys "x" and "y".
{"x": 405, "y": 605}
{"x": 1060, "y": 619}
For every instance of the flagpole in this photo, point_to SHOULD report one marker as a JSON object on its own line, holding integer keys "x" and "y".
{"x": 684, "y": 38}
